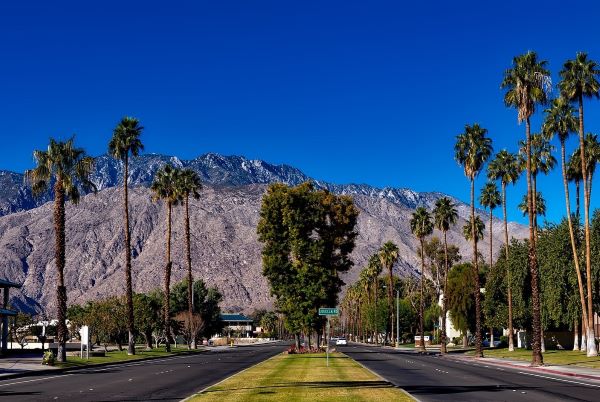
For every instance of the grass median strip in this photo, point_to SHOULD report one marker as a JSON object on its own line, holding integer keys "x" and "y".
{"x": 304, "y": 378}
{"x": 122, "y": 356}
{"x": 558, "y": 357}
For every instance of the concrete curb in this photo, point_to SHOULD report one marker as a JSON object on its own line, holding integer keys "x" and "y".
{"x": 64, "y": 370}
{"x": 527, "y": 368}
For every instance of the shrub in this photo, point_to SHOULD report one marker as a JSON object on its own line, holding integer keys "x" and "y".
{"x": 48, "y": 358}
{"x": 302, "y": 350}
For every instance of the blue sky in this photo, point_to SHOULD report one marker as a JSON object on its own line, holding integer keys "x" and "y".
{"x": 367, "y": 92}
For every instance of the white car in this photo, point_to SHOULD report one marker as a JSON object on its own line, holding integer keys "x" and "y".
{"x": 341, "y": 341}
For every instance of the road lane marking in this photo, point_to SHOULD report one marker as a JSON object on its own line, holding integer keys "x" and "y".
{"x": 561, "y": 379}
{"x": 34, "y": 380}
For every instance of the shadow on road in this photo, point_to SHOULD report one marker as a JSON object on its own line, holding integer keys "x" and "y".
{"x": 458, "y": 389}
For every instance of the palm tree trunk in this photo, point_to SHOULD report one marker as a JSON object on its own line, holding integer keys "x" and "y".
{"x": 443, "y": 348}
{"x": 572, "y": 235}
{"x": 189, "y": 264}
{"x": 491, "y": 240}
{"x": 537, "y": 358}
{"x": 591, "y": 342}
{"x": 577, "y": 203}
{"x": 534, "y": 202}
{"x": 478, "y": 350}
{"x": 575, "y": 335}
{"x": 129, "y": 292}
{"x": 422, "y": 302}
{"x": 167, "y": 306}
{"x": 511, "y": 344}
{"x": 390, "y": 301}
{"x": 59, "y": 255}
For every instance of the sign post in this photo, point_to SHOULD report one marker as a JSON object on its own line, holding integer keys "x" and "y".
{"x": 85, "y": 340}
{"x": 328, "y": 312}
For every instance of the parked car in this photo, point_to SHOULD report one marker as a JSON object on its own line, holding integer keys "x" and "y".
{"x": 341, "y": 341}
{"x": 486, "y": 343}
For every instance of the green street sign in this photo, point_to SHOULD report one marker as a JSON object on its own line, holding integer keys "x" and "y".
{"x": 329, "y": 311}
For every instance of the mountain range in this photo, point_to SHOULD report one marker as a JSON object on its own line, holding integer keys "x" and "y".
{"x": 225, "y": 249}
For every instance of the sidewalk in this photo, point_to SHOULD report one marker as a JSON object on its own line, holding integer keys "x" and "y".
{"x": 569, "y": 371}
{"x": 15, "y": 365}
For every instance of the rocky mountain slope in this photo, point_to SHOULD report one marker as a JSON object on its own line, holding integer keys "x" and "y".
{"x": 225, "y": 249}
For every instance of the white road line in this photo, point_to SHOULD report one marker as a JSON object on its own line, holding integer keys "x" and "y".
{"x": 34, "y": 380}
{"x": 561, "y": 379}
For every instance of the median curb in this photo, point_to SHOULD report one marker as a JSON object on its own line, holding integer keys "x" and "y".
{"x": 541, "y": 369}
{"x": 63, "y": 370}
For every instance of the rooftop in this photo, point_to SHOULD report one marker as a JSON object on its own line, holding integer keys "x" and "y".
{"x": 235, "y": 317}
{"x": 7, "y": 284}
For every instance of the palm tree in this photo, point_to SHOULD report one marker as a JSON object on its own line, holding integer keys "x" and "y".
{"x": 474, "y": 226}
{"x": 540, "y": 205}
{"x": 526, "y": 84}
{"x": 444, "y": 216}
{"x": 560, "y": 119}
{"x": 421, "y": 225}
{"x": 125, "y": 141}
{"x": 375, "y": 270}
{"x": 66, "y": 165}
{"x": 505, "y": 168}
{"x": 542, "y": 161}
{"x": 189, "y": 185}
{"x": 388, "y": 255}
{"x": 165, "y": 188}
{"x": 472, "y": 150}
{"x": 490, "y": 198}
{"x": 579, "y": 80}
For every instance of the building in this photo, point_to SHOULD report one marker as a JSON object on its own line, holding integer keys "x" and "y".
{"x": 236, "y": 325}
{"x": 5, "y": 312}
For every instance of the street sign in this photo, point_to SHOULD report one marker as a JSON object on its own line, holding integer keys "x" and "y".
{"x": 329, "y": 311}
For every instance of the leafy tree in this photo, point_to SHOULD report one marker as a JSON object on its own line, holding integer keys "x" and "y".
{"x": 206, "y": 304}
{"x": 148, "y": 318}
{"x": 268, "y": 322}
{"x": 526, "y": 84}
{"x": 421, "y": 226}
{"x": 165, "y": 188}
{"x": 308, "y": 236}
{"x": 505, "y": 168}
{"x": 461, "y": 303}
{"x": 65, "y": 165}
{"x": 472, "y": 150}
{"x": 445, "y": 215}
{"x": 126, "y": 141}
{"x": 189, "y": 185}
{"x": 21, "y": 328}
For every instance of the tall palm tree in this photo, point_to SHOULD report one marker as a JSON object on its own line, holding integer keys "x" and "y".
{"x": 126, "y": 141}
{"x": 65, "y": 165}
{"x": 490, "y": 198}
{"x": 375, "y": 270}
{"x": 388, "y": 255}
{"x": 526, "y": 84}
{"x": 472, "y": 150}
{"x": 445, "y": 215}
{"x": 189, "y": 185}
{"x": 579, "y": 79}
{"x": 421, "y": 226}
{"x": 504, "y": 167}
{"x": 165, "y": 188}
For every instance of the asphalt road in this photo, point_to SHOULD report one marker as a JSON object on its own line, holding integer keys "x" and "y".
{"x": 168, "y": 379}
{"x": 435, "y": 378}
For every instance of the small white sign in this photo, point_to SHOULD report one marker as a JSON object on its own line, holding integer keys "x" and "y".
{"x": 84, "y": 332}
